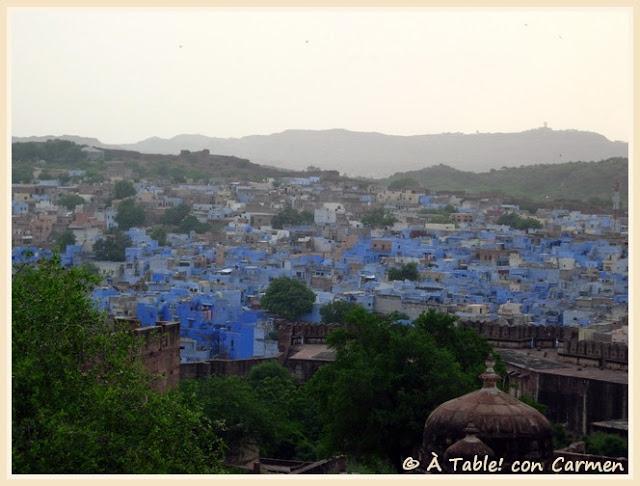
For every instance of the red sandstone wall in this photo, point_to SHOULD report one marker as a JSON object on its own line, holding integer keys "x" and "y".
{"x": 160, "y": 353}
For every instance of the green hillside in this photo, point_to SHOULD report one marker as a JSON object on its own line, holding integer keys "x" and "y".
{"x": 57, "y": 155}
{"x": 588, "y": 182}
{"x": 573, "y": 185}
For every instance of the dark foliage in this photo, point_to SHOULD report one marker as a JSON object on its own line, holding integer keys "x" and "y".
{"x": 288, "y": 298}
{"x": 408, "y": 271}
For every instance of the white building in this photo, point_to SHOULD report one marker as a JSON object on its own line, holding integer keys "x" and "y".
{"x": 324, "y": 216}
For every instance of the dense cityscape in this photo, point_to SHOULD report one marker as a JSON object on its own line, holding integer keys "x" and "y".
{"x": 356, "y": 243}
{"x": 228, "y": 276}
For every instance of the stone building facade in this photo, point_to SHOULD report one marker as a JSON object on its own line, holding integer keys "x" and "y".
{"x": 574, "y": 395}
{"x": 159, "y": 351}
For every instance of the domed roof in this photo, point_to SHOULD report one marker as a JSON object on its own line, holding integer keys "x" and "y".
{"x": 495, "y": 413}
{"x": 468, "y": 446}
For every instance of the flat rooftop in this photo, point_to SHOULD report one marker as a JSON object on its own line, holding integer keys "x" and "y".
{"x": 314, "y": 352}
{"x": 546, "y": 361}
{"x": 613, "y": 424}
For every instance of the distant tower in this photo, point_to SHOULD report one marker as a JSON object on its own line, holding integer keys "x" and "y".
{"x": 545, "y": 124}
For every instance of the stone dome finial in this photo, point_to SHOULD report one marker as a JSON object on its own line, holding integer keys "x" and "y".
{"x": 489, "y": 377}
{"x": 471, "y": 429}
{"x": 490, "y": 363}
{"x": 469, "y": 446}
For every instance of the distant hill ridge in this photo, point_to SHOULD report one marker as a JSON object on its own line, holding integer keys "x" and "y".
{"x": 580, "y": 181}
{"x": 372, "y": 154}
{"x": 569, "y": 182}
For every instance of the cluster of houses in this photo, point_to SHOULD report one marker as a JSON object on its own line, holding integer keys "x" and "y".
{"x": 572, "y": 271}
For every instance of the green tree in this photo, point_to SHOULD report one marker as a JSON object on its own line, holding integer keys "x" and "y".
{"x": 560, "y": 437}
{"x": 289, "y": 410}
{"x": 445, "y": 212}
{"x": 378, "y": 218}
{"x": 111, "y": 247}
{"x": 197, "y": 175}
{"x": 337, "y": 311}
{"x": 467, "y": 347}
{"x": 291, "y": 217}
{"x": 21, "y": 173}
{"x": 403, "y": 184}
{"x": 387, "y": 378}
{"x": 70, "y": 201}
{"x": 177, "y": 175}
{"x": 159, "y": 233}
{"x": 91, "y": 269}
{"x": 140, "y": 171}
{"x": 66, "y": 238}
{"x": 439, "y": 219}
{"x": 603, "y": 444}
{"x": 270, "y": 369}
{"x": 93, "y": 176}
{"x": 61, "y": 152}
{"x": 397, "y": 316}
{"x": 191, "y": 223}
{"x": 288, "y": 298}
{"x": 518, "y": 222}
{"x": 232, "y": 403}
{"x": 174, "y": 216}
{"x": 129, "y": 215}
{"x": 161, "y": 168}
{"x": 408, "y": 271}
{"x": 123, "y": 189}
{"x": 82, "y": 402}
{"x": 540, "y": 407}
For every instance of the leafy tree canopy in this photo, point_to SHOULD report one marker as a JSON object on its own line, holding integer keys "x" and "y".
{"x": 82, "y": 402}
{"x": 408, "y": 271}
{"x": 402, "y": 184}
{"x": 191, "y": 223}
{"x": 129, "y": 215}
{"x": 111, "y": 247}
{"x": 91, "y": 269}
{"x": 603, "y": 444}
{"x": 70, "y": 201}
{"x": 21, "y": 173}
{"x": 93, "y": 176}
{"x": 65, "y": 238}
{"x": 518, "y": 222}
{"x": 267, "y": 409}
{"x": 175, "y": 215}
{"x": 291, "y": 217}
{"x": 373, "y": 400}
{"x": 54, "y": 151}
{"x": 123, "y": 189}
{"x": 378, "y": 218}
{"x": 560, "y": 437}
{"x": 337, "y": 311}
{"x": 540, "y": 407}
{"x": 288, "y": 298}
{"x": 159, "y": 233}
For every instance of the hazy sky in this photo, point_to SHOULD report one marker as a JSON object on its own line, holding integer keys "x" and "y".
{"x": 123, "y": 75}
